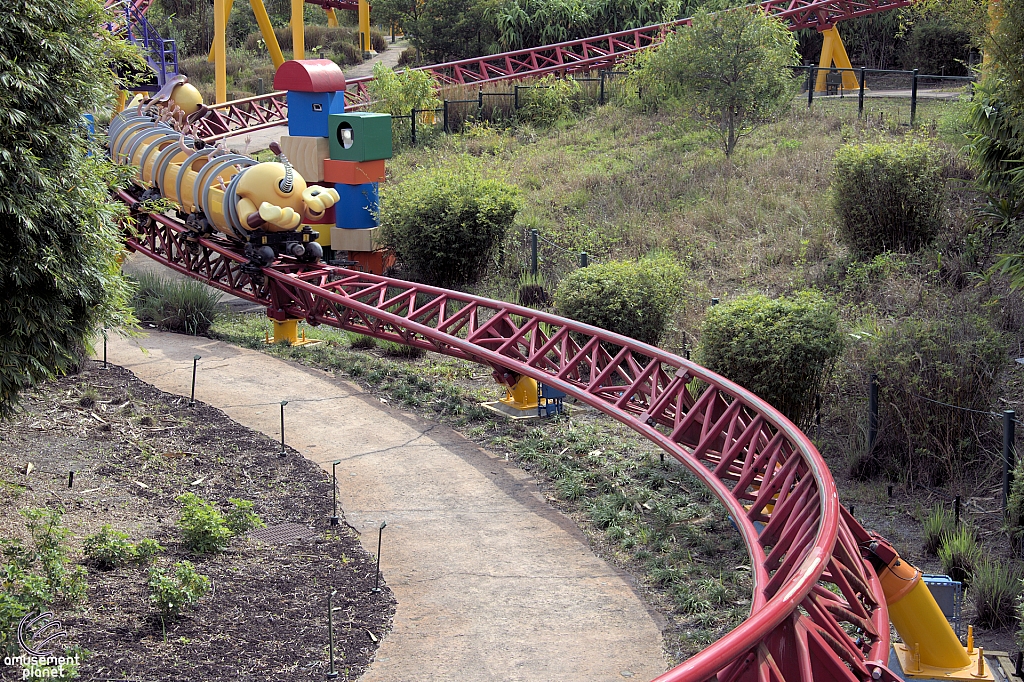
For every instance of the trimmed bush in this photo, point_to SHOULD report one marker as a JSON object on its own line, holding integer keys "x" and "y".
{"x": 109, "y": 549}
{"x": 888, "y": 197}
{"x": 934, "y": 376}
{"x": 203, "y": 528}
{"x": 172, "y": 593}
{"x": 445, "y": 224}
{"x": 241, "y": 519}
{"x": 781, "y": 349}
{"x": 635, "y": 299}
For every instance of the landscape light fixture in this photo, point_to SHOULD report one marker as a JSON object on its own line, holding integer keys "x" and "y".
{"x": 104, "y": 349}
{"x": 332, "y": 673}
{"x": 380, "y": 534}
{"x": 195, "y": 363}
{"x": 283, "y": 451}
{"x": 334, "y": 490}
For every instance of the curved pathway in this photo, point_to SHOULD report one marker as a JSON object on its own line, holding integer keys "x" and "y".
{"x": 492, "y": 583}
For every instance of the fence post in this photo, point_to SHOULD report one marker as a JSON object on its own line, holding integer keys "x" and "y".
{"x": 515, "y": 99}
{"x": 1008, "y": 458}
{"x": 584, "y": 259}
{"x": 810, "y": 86}
{"x": 446, "y": 131}
{"x": 872, "y": 411}
{"x": 860, "y": 96}
{"x": 913, "y": 98}
{"x": 480, "y": 104}
{"x": 600, "y": 98}
{"x": 413, "y": 126}
{"x": 533, "y": 253}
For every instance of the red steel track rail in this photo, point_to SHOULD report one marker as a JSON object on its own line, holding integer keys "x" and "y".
{"x": 818, "y": 611}
{"x": 255, "y": 113}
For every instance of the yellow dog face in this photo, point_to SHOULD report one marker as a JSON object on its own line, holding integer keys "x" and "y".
{"x": 283, "y": 202}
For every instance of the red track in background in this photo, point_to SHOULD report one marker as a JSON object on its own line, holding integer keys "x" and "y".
{"x": 818, "y": 611}
{"x": 236, "y": 118}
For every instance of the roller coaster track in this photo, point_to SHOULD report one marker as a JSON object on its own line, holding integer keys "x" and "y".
{"x": 249, "y": 114}
{"x": 817, "y": 607}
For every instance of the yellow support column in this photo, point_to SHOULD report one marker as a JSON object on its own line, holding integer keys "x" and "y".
{"x": 220, "y": 30}
{"x": 288, "y": 331}
{"x": 364, "y": 27}
{"x": 834, "y": 52}
{"x": 227, "y": 17}
{"x": 267, "y": 31}
{"x": 122, "y": 100}
{"x": 332, "y": 18}
{"x": 298, "y": 30}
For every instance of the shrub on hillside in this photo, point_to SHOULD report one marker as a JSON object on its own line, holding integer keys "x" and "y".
{"x": 548, "y": 100}
{"x": 938, "y": 379}
{"x": 781, "y": 349}
{"x": 635, "y": 299}
{"x": 1015, "y": 507}
{"x": 888, "y": 197}
{"x": 445, "y": 224}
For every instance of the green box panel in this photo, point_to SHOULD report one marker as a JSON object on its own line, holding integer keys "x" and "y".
{"x": 360, "y": 136}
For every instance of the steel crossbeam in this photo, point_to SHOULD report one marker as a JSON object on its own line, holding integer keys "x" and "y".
{"x": 584, "y": 54}
{"x": 817, "y": 607}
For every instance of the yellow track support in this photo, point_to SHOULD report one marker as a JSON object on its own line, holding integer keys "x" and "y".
{"x": 288, "y": 331}
{"x": 833, "y": 51}
{"x": 364, "y": 28}
{"x": 522, "y": 396}
{"x": 332, "y": 17}
{"x": 220, "y": 29}
{"x": 298, "y": 30}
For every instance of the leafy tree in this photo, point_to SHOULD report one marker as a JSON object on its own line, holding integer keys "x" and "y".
{"x": 446, "y": 30}
{"x": 732, "y": 67}
{"x": 398, "y": 93}
{"x": 59, "y": 230}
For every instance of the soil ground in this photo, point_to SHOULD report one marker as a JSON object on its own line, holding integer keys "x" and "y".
{"x": 134, "y": 448}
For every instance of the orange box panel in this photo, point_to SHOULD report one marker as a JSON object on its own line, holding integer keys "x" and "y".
{"x": 353, "y": 172}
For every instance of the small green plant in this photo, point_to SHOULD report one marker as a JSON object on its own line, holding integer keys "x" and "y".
{"x": 445, "y": 224}
{"x": 172, "y": 593}
{"x": 400, "y": 350}
{"x": 241, "y": 519}
{"x": 109, "y": 549}
{"x": 937, "y": 524}
{"x": 636, "y": 299}
{"x": 146, "y": 550}
{"x": 177, "y": 305}
{"x": 360, "y": 341}
{"x": 1015, "y": 506}
{"x": 888, "y": 196}
{"x": 960, "y": 554}
{"x": 995, "y": 591}
{"x": 203, "y": 528}
{"x": 782, "y": 349}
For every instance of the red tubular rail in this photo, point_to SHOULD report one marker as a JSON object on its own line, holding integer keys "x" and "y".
{"x": 234, "y": 118}
{"x": 818, "y": 612}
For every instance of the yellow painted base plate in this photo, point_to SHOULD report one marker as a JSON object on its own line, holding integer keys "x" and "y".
{"x": 506, "y": 410}
{"x": 906, "y": 656}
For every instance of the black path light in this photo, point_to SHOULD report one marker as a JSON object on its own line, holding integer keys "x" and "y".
{"x": 195, "y": 363}
{"x": 334, "y": 490}
{"x": 380, "y": 534}
{"x": 283, "y": 451}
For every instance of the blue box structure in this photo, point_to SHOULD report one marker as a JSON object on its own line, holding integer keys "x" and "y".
{"x": 309, "y": 112}
{"x": 358, "y": 206}
{"x": 949, "y": 596}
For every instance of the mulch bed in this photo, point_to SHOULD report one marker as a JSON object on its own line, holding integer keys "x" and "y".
{"x": 133, "y": 449}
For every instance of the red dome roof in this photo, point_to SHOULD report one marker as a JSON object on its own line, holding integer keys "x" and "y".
{"x": 309, "y": 75}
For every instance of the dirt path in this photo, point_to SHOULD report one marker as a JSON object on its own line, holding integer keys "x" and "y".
{"x": 491, "y": 582}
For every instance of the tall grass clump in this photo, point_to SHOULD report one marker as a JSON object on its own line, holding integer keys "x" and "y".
{"x": 888, "y": 196}
{"x": 960, "y": 554}
{"x": 938, "y": 523}
{"x": 176, "y": 305}
{"x": 445, "y": 223}
{"x": 938, "y": 378}
{"x": 995, "y": 592}
{"x": 782, "y": 349}
{"x": 1015, "y": 507}
{"x": 633, "y": 298}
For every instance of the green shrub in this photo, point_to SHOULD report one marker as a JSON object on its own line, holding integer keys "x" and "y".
{"x": 938, "y": 523}
{"x": 445, "y": 224}
{"x": 888, "y": 197}
{"x": 203, "y": 528}
{"x": 548, "y": 100}
{"x": 172, "y": 593}
{"x": 781, "y": 349}
{"x": 995, "y": 592}
{"x": 633, "y": 298}
{"x": 1015, "y": 506}
{"x": 931, "y": 374}
{"x": 398, "y": 93}
{"x": 241, "y": 519}
{"x": 360, "y": 341}
{"x": 936, "y": 47}
{"x": 960, "y": 554}
{"x": 109, "y": 548}
{"x": 177, "y": 305}
{"x": 400, "y": 350}
{"x": 146, "y": 550}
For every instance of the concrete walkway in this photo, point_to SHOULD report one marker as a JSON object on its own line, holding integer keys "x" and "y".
{"x": 492, "y": 583}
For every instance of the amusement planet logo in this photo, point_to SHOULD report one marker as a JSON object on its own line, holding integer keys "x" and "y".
{"x": 36, "y": 635}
